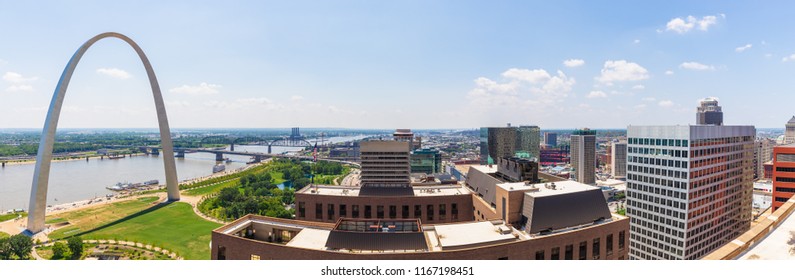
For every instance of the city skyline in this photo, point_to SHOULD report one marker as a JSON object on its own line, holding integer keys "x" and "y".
{"x": 324, "y": 65}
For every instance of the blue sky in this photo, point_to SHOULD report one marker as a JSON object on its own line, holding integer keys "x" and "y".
{"x": 413, "y": 64}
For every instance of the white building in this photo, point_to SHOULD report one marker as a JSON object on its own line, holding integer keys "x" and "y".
{"x": 689, "y": 188}
{"x": 618, "y": 160}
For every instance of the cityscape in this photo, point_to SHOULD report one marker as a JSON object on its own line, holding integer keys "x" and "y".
{"x": 674, "y": 160}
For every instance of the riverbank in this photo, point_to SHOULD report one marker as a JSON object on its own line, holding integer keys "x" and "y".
{"x": 32, "y": 160}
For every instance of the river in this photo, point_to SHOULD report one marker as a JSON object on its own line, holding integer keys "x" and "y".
{"x": 80, "y": 179}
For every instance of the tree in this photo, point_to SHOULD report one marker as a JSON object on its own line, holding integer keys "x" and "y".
{"x": 75, "y": 244}
{"x": 59, "y": 250}
{"x": 5, "y": 249}
{"x": 21, "y": 245}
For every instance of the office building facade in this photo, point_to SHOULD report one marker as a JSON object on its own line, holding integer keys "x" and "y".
{"x": 428, "y": 161}
{"x": 783, "y": 174}
{"x": 385, "y": 164}
{"x": 763, "y": 153}
{"x": 689, "y": 188}
{"x": 583, "y": 156}
{"x": 709, "y": 113}
{"x": 789, "y": 131}
{"x": 618, "y": 160}
{"x": 550, "y": 139}
{"x": 506, "y": 142}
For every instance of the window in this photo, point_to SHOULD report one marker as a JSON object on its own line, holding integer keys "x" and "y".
{"x": 343, "y": 210}
{"x": 583, "y": 250}
{"x": 392, "y": 211}
{"x": 430, "y": 212}
{"x": 454, "y": 211}
{"x": 555, "y": 254}
{"x": 331, "y": 211}
{"x": 405, "y": 212}
{"x": 221, "y": 253}
{"x": 301, "y": 209}
{"x": 318, "y": 211}
{"x": 788, "y": 190}
{"x": 354, "y": 211}
{"x": 621, "y": 235}
{"x": 785, "y": 169}
{"x": 785, "y": 179}
{"x": 609, "y": 244}
{"x": 442, "y": 212}
{"x": 380, "y": 211}
{"x": 596, "y": 252}
{"x": 368, "y": 212}
{"x": 540, "y": 255}
{"x": 255, "y": 257}
{"x": 417, "y": 211}
{"x": 569, "y": 254}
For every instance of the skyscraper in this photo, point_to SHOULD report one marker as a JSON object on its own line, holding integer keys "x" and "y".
{"x": 618, "y": 160}
{"x": 763, "y": 152}
{"x": 550, "y": 139}
{"x": 583, "y": 155}
{"x": 789, "y": 133}
{"x": 506, "y": 142}
{"x": 528, "y": 140}
{"x": 783, "y": 175}
{"x": 689, "y": 188}
{"x": 385, "y": 164}
{"x": 709, "y": 112}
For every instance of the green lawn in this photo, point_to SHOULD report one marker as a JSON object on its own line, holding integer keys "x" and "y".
{"x": 277, "y": 177}
{"x": 171, "y": 226}
{"x": 214, "y": 188}
{"x": 3, "y": 234}
{"x": 90, "y": 218}
{"x": 6, "y": 217}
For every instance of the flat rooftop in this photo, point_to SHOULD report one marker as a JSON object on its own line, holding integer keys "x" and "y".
{"x": 777, "y": 245}
{"x": 485, "y": 168}
{"x": 434, "y": 190}
{"x": 545, "y": 189}
{"x": 457, "y": 236}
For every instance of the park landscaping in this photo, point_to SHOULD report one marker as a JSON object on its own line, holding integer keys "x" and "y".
{"x": 91, "y": 218}
{"x": 4, "y": 235}
{"x": 11, "y": 216}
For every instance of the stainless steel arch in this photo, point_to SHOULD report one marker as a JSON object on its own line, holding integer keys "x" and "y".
{"x": 38, "y": 193}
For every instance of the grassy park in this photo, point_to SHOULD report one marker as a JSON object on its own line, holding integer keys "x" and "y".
{"x": 11, "y": 216}
{"x": 3, "y": 234}
{"x": 171, "y": 226}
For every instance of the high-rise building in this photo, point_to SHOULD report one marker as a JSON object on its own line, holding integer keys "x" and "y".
{"x": 583, "y": 156}
{"x": 789, "y": 133}
{"x": 689, "y": 188}
{"x": 405, "y": 135}
{"x": 550, "y": 139}
{"x": 783, "y": 174}
{"x": 385, "y": 164}
{"x": 618, "y": 160}
{"x": 428, "y": 161}
{"x": 763, "y": 152}
{"x": 506, "y": 142}
{"x": 528, "y": 140}
{"x": 709, "y": 112}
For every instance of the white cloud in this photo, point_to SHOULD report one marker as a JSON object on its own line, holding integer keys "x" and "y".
{"x": 201, "y": 89}
{"x": 649, "y": 99}
{"x": 768, "y": 55}
{"x": 692, "y": 65}
{"x": 621, "y": 70}
{"x": 584, "y": 106}
{"x": 669, "y": 72}
{"x": 571, "y": 63}
{"x": 521, "y": 86}
{"x": 684, "y": 25}
{"x": 597, "y": 94}
{"x": 19, "y": 88}
{"x": 638, "y": 87}
{"x": 743, "y": 48}
{"x": 637, "y": 41}
{"x": 114, "y": 72}
{"x": 16, "y": 78}
{"x": 666, "y": 103}
{"x": 788, "y": 58}
{"x": 296, "y": 98}
{"x": 640, "y": 106}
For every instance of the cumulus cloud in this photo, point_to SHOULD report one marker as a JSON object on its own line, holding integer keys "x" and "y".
{"x": 520, "y": 86}
{"x": 692, "y": 65}
{"x": 571, "y": 63}
{"x": 637, "y": 41}
{"x": 649, "y": 99}
{"x": 666, "y": 103}
{"x": 743, "y": 48}
{"x": 19, "y": 88}
{"x": 788, "y": 58}
{"x": 669, "y": 72}
{"x": 201, "y": 89}
{"x": 684, "y": 25}
{"x": 622, "y": 70}
{"x": 597, "y": 94}
{"x": 16, "y": 78}
{"x": 296, "y": 98}
{"x": 114, "y": 72}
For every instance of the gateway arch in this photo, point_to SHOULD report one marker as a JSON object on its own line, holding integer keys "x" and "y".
{"x": 38, "y": 193}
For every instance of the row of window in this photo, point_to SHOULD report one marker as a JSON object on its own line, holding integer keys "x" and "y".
{"x": 658, "y": 142}
{"x": 722, "y": 141}
{"x": 785, "y": 169}
{"x": 787, "y": 190}
{"x": 671, "y": 174}
{"x": 656, "y": 200}
{"x": 659, "y": 224}
{"x": 785, "y": 179}
{"x": 659, "y": 163}
{"x": 657, "y": 152}
{"x": 582, "y": 248}
{"x": 650, "y": 239}
{"x": 342, "y": 210}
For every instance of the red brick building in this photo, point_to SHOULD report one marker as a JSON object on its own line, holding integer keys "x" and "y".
{"x": 783, "y": 174}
